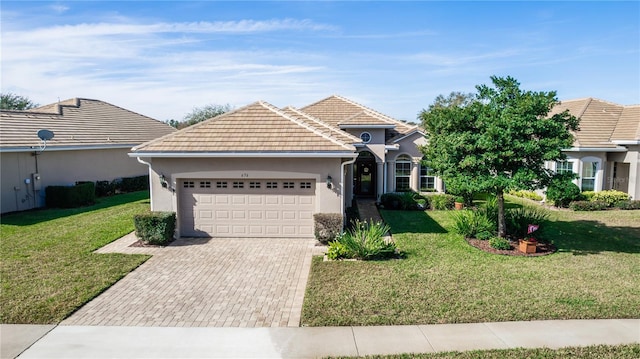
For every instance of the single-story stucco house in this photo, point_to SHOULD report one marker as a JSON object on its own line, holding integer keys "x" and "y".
{"x": 606, "y": 151}
{"x": 262, "y": 171}
{"x": 91, "y": 141}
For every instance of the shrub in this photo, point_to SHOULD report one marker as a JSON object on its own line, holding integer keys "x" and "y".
{"x": 484, "y": 235}
{"x": 133, "y": 184}
{"x": 155, "y": 227}
{"x": 587, "y": 205}
{"x": 391, "y": 200}
{"x": 526, "y": 194}
{"x": 517, "y": 220}
{"x": 105, "y": 188}
{"x": 337, "y": 250}
{"x": 610, "y": 197}
{"x": 563, "y": 192}
{"x": 442, "y": 201}
{"x": 327, "y": 226}
{"x": 499, "y": 243}
{"x": 81, "y": 194}
{"x": 469, "y": 223}
{"x": 366, "y": 241}
{"x": 628, "y": 205}
{"x": 403, "y": 200}
{"x": 490, "y": 209}
{"x": 588, "y": 195}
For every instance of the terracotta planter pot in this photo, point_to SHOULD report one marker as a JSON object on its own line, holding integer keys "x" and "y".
{"x": 527, "y": 246}
{"x": 459, "y": 205}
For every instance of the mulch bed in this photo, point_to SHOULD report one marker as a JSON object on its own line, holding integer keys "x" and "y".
{"x": 542, "y": 248}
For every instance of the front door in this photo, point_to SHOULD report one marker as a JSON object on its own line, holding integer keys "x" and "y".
{"x": 621, "y": 176}
{"x": 365, "y": 175}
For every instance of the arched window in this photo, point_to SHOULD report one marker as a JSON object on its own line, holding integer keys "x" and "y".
{"x": 403, "y": 173}
{"x": 427, "y": 179}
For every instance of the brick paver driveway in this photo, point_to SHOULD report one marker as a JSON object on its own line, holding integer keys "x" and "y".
{"x": 240, "y": 282}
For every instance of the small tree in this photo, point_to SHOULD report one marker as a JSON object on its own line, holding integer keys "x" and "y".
{"x": 11, "y": 101}
{"x": 499, "y": 141}
{"x": 199, "y": 114}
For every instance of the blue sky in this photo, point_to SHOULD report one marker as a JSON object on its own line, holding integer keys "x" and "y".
{"x": 162, "y": 59}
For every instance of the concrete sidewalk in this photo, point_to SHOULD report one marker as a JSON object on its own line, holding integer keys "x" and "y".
{"x": 306, "y": 342}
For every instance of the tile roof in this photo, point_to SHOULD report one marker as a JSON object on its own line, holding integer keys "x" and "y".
{"x": 259, "y": 127}
{"x": 321, "y": 126}
{"x": 628, "y": 127}
{"x": 334, "y": 110}
{"x": 365, "y": 118}
{"x": 76, "y": 123}
{"x": 601, "y": 122}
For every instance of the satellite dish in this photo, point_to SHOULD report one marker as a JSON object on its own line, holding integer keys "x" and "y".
{"x": 45, "y": 135}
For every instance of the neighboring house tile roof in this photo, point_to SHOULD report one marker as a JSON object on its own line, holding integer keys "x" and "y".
{"x": 335, "y": 110}
{"x": 601, "y": 122}
{"x": 78, "y": 123}
{"x": 259, "y": 127}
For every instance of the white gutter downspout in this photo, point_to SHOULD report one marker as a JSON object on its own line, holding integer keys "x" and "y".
{"x": 344, "y": 218}
{"x": 150, "y": 181}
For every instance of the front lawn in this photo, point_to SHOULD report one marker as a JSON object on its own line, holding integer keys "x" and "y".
{"x": 594, "y": 274}
{"x": 627, "y": 351}
{"x": 48, "y": 269}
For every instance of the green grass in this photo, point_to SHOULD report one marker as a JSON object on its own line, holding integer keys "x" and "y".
{"x": 630, "y": 351}
{"x": 594, "y": 274}
{"x": 48, "y": 269}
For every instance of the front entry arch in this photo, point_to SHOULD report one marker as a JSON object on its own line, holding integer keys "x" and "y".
{"x": 365, "y": 174}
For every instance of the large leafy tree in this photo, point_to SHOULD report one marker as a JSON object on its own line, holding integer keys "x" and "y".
{"x": 199, "y": 114}
{"x": 11, "y": 101}
{"x": 499, "y": 141}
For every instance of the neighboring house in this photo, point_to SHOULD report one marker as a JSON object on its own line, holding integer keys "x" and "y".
{"x": 262, "y": 171}
{"x": 92, "y": 139}
{"x": 606, "y": 151}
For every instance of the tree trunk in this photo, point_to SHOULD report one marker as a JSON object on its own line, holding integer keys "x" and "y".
{"x": 502, "y": 230}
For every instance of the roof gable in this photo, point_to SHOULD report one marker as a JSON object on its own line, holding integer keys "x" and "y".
{"x": 258, "y": 127}
{"x": 598, "y": 121}
{"x": 336, "y": 109}
{"x": 78, "y": 122}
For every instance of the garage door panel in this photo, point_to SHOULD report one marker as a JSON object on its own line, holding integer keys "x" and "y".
{"x": 247, "y": 208}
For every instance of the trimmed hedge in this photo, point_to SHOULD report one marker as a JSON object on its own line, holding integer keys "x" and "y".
{"x": 588, "y": 205}
{"x": 327, "y": 226}
{"x": 155, "y": 227}
{"x": 81, "y": 194}
{"x": 610, "y": 197}
{"x": 628, "y": 205}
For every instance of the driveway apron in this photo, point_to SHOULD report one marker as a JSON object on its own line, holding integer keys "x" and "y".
{"x": 231, "y": 282}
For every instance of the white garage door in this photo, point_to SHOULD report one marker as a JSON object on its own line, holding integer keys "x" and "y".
{"x": 246, "y": 208}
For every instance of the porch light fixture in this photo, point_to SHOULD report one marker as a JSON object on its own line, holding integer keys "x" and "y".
{"x": 329, "y": 184}
{"x": 163, "y": 181}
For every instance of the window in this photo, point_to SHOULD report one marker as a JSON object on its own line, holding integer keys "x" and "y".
{"x": 589, "y": 171}
{"x": 205, "y": 184}
{"x": 365, "y": 137}
{"x": 254, "y": 184}
{"x": 272, "y": 185}
{"x": 238, "y": 184}
{"x": 427, "y": 179}
{"x": 188, "y": 184}
{"x": 563, "y": 167}
{"x": 403, "y": 173}
{"x": 305, "y": 185}
{"x": 288, "y": 185}
{"x": 221, "y": 184}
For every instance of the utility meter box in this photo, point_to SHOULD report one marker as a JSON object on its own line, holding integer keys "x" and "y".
{"x": 37, "y": 183}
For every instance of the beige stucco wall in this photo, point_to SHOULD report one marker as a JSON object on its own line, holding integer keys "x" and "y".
{"x": 177, "y": 169}
{"x": 59, "y": 168}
